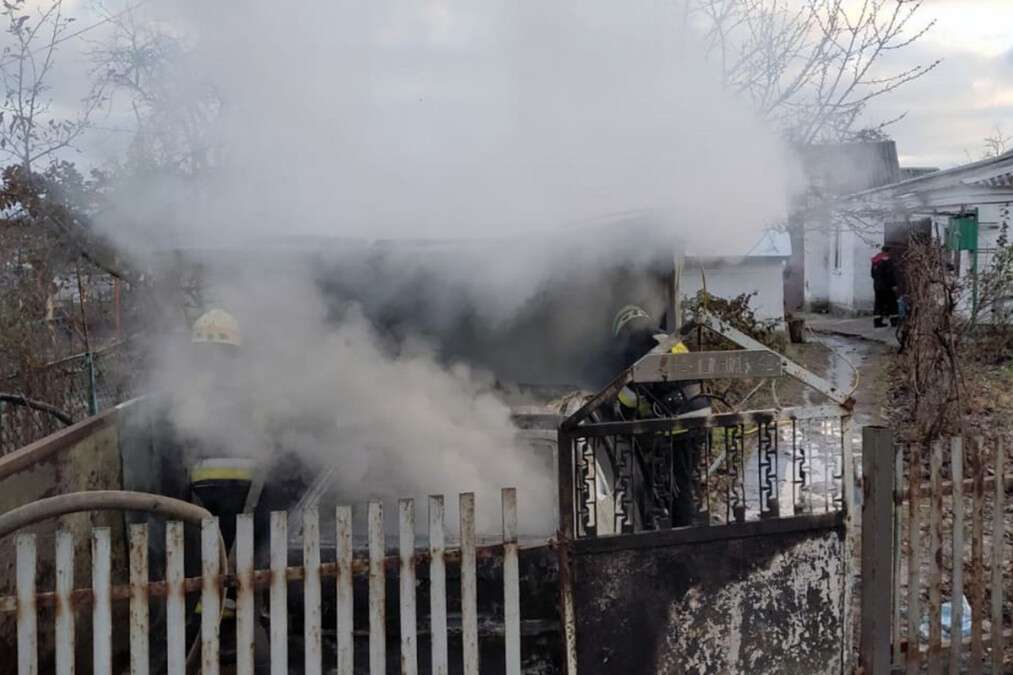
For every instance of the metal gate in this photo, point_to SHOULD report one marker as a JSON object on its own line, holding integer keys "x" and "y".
{"x": 761, "y": 562}
{"x": 263, "y": 595}
{"x": 699, "y": 544}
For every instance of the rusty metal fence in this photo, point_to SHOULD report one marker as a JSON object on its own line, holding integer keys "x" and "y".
{"x": 935, "y": 557}
{"x": 237, "y": 578}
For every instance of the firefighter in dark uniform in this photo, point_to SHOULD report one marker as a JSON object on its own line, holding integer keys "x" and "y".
{"x": 670, "y": 457}
{"x": 884, "y": 285}
{"x": 263, "y": 480}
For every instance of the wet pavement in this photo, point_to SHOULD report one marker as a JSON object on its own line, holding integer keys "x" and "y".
{"x": 859, "y": 327}
{"x": 859, "y": 362}
{"x": 858, "y": 365}
{"x": 861, "y": 355}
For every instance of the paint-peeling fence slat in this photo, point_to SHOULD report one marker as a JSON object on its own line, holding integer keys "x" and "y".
{"x": 977, "y": 564}
{"x": 312, "y": 619}
{"x": 279, "y": 594}
{"x": 28, "y": 658}
{"x": 175, "y": 602}
{"x": 406, "y": 593}
{"x": 953, "y": 555}
{"x": 232, "y": 583}
{"x": 914, "y": 566}
{"x": 211, "y": 600}
{"x": 469, "y": 585}
{"x": 245, "y": 613}
{"x": 511, "y": 583}
{"x": 343, "y": 532}
{"x": 998, "y": 556}
{"x": 957, "y": 573}
{"x": 138, "y": 599}
{"x": 64, "y": 619}
{"x": 102, "y": 612}
{"x": 437, "y": 587}
{"x": 935, "y": 563}
{"x": 377, "y": 591}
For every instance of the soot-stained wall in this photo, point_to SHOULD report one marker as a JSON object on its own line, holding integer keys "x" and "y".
{"x": 763, "y": 604}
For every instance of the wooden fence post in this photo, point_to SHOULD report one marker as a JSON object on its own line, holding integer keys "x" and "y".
{"x": 878, "y": 467}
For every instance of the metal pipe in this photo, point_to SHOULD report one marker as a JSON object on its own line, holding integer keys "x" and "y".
{"x": 100, "y": 500}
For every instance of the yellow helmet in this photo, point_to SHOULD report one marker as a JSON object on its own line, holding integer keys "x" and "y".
{"x": 217, "y": 326}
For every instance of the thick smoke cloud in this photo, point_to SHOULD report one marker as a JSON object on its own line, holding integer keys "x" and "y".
{"x": 393, "y": 421}
{"x": 530, "y": 126}
{"x": 445, "y": 119}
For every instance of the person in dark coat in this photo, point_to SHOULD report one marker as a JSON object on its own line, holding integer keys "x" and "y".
{"x": 884, "y": 284}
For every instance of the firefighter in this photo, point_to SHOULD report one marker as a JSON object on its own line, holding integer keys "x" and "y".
{"x": 672, "y": 456}
{"x": 884, "y": 284}
{"x": 636, "y": 335}
{"x": 218, "y": 479}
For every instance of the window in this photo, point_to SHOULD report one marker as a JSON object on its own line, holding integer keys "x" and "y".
{"x": 837, "y": 248}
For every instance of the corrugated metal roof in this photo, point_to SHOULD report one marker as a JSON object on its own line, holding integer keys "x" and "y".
{"x": 989, "y": 173}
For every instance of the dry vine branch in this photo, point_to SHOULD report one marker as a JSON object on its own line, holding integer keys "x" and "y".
{"x": 930, "y": 364}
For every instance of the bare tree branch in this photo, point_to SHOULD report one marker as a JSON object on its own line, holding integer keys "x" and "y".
{"x": 811, "y": 69}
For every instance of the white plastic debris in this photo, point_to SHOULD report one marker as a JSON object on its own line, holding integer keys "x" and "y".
{"x": 946, "y": 612}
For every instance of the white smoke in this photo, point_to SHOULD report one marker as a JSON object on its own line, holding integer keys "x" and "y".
{"x": 390, "y": 419}
{"x": 452, "y": 118}
{"x": 438, "y": 119}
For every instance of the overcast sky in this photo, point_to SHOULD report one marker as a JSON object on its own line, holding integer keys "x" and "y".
{"x": 953, "y": 108}
{"x": 948, "y": 113}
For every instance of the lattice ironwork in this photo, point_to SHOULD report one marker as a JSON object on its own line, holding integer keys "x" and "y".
{"x": 661, "y": 483}
{"x": 624, "y": 487}
{"x": 768, "y": 469}
{"x": 587, "y": 514}
{"x": 722, "y": 469}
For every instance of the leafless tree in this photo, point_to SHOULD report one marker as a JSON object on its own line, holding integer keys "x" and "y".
{"x": 173, "y": 115}
{"x": 812, "y": 67}
{"x": 997, "y": 143}
{"x": 57, "y": 274}
{"x": 29, "y": 131}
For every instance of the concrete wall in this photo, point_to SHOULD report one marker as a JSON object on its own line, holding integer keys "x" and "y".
{"x": 770, "y": 603}
{"x": 764, "y": 276}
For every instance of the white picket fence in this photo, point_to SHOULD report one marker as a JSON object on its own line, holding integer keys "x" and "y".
{"x": 66, "y": 599}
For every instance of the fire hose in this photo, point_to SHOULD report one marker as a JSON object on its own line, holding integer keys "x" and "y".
{"x": 100, "y": 500}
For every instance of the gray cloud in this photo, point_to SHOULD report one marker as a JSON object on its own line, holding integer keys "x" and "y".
{"x": 952, "y": 109}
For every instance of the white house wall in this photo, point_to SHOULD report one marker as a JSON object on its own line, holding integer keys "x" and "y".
{"x": 764, "y": 276}
{"x": 846, "y": 272}
{"x": 863, "y": 296}
{"x": 816, "y": 285}
{"x": 989, "y": 229}
{"x": 841, "y": 272}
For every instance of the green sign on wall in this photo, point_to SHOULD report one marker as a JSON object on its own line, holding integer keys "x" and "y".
{"x": 962, "y": 233}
